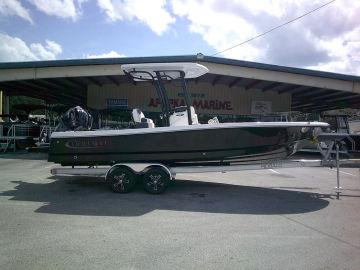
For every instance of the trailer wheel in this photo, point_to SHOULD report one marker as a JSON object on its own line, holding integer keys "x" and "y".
{"x": 121, "y": 179}
{"x": 156, "y": 180}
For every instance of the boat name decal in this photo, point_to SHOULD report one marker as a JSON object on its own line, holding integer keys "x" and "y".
{"x": 87, "y": 143}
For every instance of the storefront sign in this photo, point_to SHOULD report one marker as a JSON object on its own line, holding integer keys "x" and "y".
{"x": 260, "y": 107}
{"x": 117, "y": 103}
{"x": 204, "y": 104}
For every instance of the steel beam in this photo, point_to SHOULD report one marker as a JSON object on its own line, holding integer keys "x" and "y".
{"x": 325, "y": 97}
{"x": 252, "y": 84}
{"x": 66, "y": 91}
{"x": 314, "y": 105}
{"x": 308, "y": 92}
{"x": 93, "y": 80}
{"x": 352, "y": 96}
{"x": 322, "y": 108}
{"x": 44, "y": 92}
{"x": 80, "y": 92}
{"x": 45, "y": 83}
{"x": 289, "y": 89}
{"x": 73, "y": 81}
{"x": 32, "y": 85}
{"x": 62, "y": 85}
{"x": 216, "y": 80}
{"x": 234, "y": 82}
{"x": 303, "y": 105}
{"x": 25, "y": 92}
{"x": 113, "y": 80}
{"x": 271, "y": 86}
{"x": 66, "y": 84}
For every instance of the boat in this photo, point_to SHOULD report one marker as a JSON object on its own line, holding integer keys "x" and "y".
{"x": 22, "y": 129}
{"x": 180, "y": 140}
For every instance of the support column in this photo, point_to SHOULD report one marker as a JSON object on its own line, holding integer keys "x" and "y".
{"x": 5, "y": 106}
{"x": 1, "y": 105}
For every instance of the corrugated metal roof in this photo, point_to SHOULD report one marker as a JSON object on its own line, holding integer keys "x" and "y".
{"x": 180, "y": 58}
{"x": 98, "y": 61}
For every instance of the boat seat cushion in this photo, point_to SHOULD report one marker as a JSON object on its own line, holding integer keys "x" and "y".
{"x": 137, "y": 115}
{"x": 179, "y": 116}
{"x": 140, "y": 120}
{"x": 145, "y": 123}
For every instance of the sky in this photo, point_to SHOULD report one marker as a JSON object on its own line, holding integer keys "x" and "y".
{"x": 328, "y": 39}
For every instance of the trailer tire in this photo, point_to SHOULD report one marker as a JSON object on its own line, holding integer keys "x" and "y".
{"x": 155, "y": 180}
{"x": 121, "y": 179}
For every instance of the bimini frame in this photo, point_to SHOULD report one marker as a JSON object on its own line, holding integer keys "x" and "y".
{"x": 159, "y": 74}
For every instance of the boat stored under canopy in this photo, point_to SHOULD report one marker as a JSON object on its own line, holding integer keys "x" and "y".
{"x": 180, "y": 139}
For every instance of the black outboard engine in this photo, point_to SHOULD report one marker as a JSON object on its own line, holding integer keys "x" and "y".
{"x": 75, "y": 119}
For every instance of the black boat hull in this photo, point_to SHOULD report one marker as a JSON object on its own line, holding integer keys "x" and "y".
{"x": 196, "y": 146}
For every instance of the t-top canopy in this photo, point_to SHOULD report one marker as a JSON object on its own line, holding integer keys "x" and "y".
{"x": 168, "y": 71}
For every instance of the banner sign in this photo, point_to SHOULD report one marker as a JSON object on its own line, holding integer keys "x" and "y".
{"x": 113, "y": 103}
{"x": 260, "y": 107}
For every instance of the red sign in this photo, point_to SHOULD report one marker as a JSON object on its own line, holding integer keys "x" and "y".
{"x": 197, "y": 103}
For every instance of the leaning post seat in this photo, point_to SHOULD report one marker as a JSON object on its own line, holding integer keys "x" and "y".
{"x": 140, "y": 120}
{"x": 180, "y": 116}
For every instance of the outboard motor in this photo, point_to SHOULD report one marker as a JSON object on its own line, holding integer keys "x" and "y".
{"x": 75, "y": 119}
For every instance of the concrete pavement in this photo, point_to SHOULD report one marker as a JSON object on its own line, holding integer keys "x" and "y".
{"x": 268, "y": 219}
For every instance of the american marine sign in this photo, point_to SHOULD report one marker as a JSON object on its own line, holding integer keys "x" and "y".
{"x": 204, "y": 104}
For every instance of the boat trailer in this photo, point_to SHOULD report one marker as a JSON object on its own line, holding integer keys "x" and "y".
{"x": 122, "y": 177}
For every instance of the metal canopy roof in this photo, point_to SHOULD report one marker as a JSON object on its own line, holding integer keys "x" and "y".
{"x": 304, "y": 98}
{"x": 72, "y": 90}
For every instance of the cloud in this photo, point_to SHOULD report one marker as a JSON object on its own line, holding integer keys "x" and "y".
{"x": 15, "y": 49}
{"x": 344, "y": 52}
{"x": 14, "y": 8}
{"x": 221, "y": 24}
{"x": 111, "y": 54}
{"x": 49, "y": 51}
{"x": 152, "y": 13}
{"x": 323, "y": 40}
{"x": 296, "y": 49}
{"x": 339, "y": 18}
{"x": 65, "y": 9}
